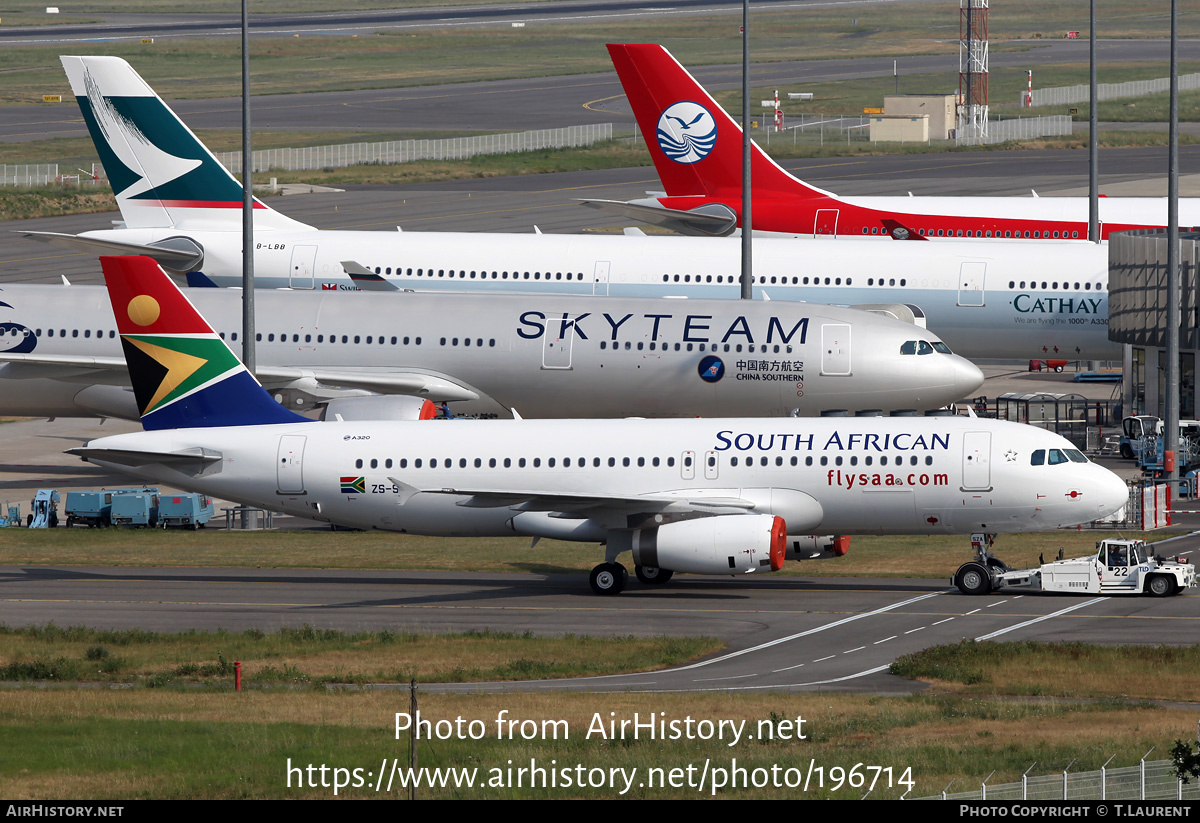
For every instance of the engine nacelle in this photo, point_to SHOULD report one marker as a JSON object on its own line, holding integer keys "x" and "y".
{"x": 817, "y": 546}
{"x": 380, "y": 407}
{"x": 543, "y": 524}
{"x": 725, "y": 544}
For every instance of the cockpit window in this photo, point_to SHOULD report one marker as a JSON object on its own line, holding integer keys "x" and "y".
{"x": 909, "y": 347}
{"x": 925, "y": 348}
{"x": 1056, "y": 457}
{"x": 1038, "y": 458}
{"x": 1076, "y": 456}
{"x": 941, "y": 347}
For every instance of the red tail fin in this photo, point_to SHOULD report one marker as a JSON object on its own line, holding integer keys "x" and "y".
{"x": 696, "y": 146}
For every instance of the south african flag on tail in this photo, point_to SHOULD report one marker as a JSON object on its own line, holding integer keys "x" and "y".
{"x": 183, "y": 374}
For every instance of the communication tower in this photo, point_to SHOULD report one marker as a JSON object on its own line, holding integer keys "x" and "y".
{"x": 972, "y": 68}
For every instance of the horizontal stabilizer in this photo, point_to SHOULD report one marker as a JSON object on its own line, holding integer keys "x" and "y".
{"x": 130, "y": 457}
{"x": 177, "y": 254}
{"x": 382, "y": 382}
{"x": 711, "y": 220}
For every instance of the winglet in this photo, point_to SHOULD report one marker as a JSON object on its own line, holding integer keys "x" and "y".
{"x": 183, "y": 374}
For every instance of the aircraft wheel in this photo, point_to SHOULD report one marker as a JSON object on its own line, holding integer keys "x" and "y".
{"x": 652, "y": 575}
{"x": 973, "y": 578}
{"x": 608, "y": 578}
{"x": 1159, "y": 585}
{"x": 1126, "y": 451}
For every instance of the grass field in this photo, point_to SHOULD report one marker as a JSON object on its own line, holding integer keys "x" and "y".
{"x": 869, "y": 556}
{"x": 172, "y": 742}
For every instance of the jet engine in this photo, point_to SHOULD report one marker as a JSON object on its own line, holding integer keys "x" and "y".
{"x": 379, "y": 407}
{"x": 725, "y": 544}
{"x": 817, "y": 546}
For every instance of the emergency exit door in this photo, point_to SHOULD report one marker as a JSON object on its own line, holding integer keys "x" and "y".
{"x": 304, "y": 264}
{"x": 971, "y": 278}
{"x": 289, "y": 464}
{"x": 835, "y": 349}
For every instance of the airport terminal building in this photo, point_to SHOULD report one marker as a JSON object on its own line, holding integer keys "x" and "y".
{"x": 1137, "y": 311}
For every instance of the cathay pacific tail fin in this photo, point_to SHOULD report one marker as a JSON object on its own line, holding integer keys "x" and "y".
{"x": 163, "y": 176}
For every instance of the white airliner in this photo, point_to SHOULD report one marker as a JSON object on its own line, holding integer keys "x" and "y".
{"x": 544, "y": 355}
{"x": 180, "y": 206}
{"x": 697, "y": 150}
{"x": 722, "y": 496}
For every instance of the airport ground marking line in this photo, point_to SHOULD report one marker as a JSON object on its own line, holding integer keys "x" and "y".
{"x": 917, "y": 629}
{"x": 852, "y": 651}
{"x": 788, "y": 668}
{"x": 1058, "y": 613}
{"x": 730, "y": 677}
{"x": 997, "y": 603}
{"x": 940, "y": 622}
{"x": 806, "y": 633}
{"x": 886, "y": 639}
{"x": 822, "y": 659}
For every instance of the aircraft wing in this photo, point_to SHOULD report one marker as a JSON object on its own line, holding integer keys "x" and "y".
{"x": 379, "y": 381}
{"x": 390, "y": 381}
{"x": 712, "y": 220}
{"x": 176, "y": 254}
{"x": 552, "y": 501}
{"x": 366, "y": 279}
{"x": 107, "y": 370}
{"x": 130, "y": 457}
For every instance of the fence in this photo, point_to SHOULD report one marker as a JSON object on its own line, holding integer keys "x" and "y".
{"x": 1153, "y": 780}
{"x": 42, "y": 174}
{"x": 404, "y": 151}
{"x": 1110, "y": 91}
{"x": 1021, "y": 128}
{"x": 815, "y": 129}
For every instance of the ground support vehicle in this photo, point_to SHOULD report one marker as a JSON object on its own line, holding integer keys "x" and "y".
{"x": 94, "y": 508}
{"x": 44, "y": 510}
{"x": 1116, "y": 567}
{"x": 135, "y": 509}
{"x": 187, "y": 511}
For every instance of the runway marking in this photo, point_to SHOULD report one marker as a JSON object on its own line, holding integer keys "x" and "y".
{"x": 813, "y": 631}
{"x": 1058, "y": 613}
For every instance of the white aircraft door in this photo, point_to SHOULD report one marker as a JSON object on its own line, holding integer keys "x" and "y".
{"x": 687, "y": 465}
{"x": 289, "y": 465}
{"x": 835, "y": 349}
{"x": 304, "y": 264}
{"x": 711, "y": 465}
{"x": 825, "y": 224}
{"x": 600, "y": 280}
{"x": 556, "y": 353}
{"x": 977, "y": 461}
{"x": 970, "y": 284}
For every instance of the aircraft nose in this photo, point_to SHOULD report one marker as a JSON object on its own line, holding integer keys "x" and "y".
{"x": 967, "y": 376}
{"x": 1113, "y": 493}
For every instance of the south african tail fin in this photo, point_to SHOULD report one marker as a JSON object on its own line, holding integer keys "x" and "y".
{"x": 696, "y": 146}
{"x": 183, "y": 374}
{"x": 163, "y": 176}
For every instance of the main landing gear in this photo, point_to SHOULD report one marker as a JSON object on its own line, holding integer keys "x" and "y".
{"x": 608, "y": 578}
{"x": 611, "y": 577}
